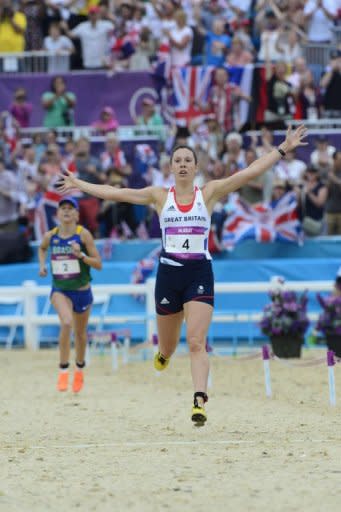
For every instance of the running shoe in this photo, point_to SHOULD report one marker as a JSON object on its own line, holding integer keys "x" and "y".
{"x": 63, "y": 381}
{"x": 78, "y": 381}
{"x": 199, "y": 415}
{"x": 160, "y": 362}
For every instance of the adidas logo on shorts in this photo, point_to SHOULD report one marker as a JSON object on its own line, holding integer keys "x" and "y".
{"x": 164, "y": 301}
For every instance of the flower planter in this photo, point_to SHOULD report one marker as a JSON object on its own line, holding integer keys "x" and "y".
{"x": 286, "y": 346}
{"x": 334, "y": 343}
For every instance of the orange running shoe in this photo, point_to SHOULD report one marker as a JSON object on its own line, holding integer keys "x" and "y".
{"x": 63, "y": 381}
{"x": 78, "y": 381}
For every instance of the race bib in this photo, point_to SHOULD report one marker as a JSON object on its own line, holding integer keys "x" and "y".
{"x": 65, "y": 268}
{"x": 188, "y": 240}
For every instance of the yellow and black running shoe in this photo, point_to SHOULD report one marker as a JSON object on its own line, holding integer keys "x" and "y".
{"x": 199, "y": 415}
{"x": 160, "y": 362}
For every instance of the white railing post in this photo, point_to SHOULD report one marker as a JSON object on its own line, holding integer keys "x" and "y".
{"x": 30, "y": 310}
{"x": 150, "y": 308}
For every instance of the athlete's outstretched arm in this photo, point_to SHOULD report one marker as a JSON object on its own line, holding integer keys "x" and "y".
{"x": 217, "y": 189}
{"x": 147, "y": 195}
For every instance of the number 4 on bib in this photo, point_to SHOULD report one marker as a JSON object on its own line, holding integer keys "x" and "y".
{"x": 185, "y": 245}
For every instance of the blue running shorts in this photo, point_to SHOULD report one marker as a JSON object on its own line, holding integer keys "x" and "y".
{"x": 81, "y": 299}
{"x": 176, "y": 285}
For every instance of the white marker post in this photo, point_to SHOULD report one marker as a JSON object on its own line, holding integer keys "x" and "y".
{"x": 267, "y": 376}
{"x": 155, "y": 342}
{"x": 114, "y": 355}
{"x": 331, "y": 377}
{"x": 126, "y": 348}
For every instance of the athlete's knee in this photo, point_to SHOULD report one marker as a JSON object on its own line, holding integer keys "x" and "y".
{"x": 66, "y": 323}
{"x": 81, "y": 336}
{"x": 196, "y": 343}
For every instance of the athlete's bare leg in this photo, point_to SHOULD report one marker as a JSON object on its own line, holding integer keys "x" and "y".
{"x": 63, "y": 306}
{"x": 169, "y": 327}
{"x": 80, "y": 322}
{"x": 198, "y": 317}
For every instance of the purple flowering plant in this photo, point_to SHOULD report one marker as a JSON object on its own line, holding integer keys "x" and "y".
{"x": 286, "y": 314}
{"x": 329, "y": 320}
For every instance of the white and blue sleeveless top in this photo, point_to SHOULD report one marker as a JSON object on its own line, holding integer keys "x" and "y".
{"x": 185, "y": 230}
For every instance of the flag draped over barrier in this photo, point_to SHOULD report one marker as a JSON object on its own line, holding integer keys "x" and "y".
{"x": 277, "y": 221}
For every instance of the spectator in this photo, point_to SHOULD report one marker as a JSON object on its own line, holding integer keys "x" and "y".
{"x": 223, "y": 97}
{"x": 211, "y": 11}
{"x": 141, "y": 59}
{"x": 121, "y": 50}
{"x": 180, "y": 40}
{"x": 331, "y": 85}
{"x": 149, "y": 117}
{"x": 320, "y": 16}
{"x": 114, "y": 156}
{"x": 259, "y": 189}
{"x": 279, "y": 189}
{"x": 88, "y": 169}
{"x": 107, "y": 122}
{"x": 269, "y": 37}
{"x": 34, "y": 11}
{"x": 20, "y": 108}
{"x": 308, "y": 102}
{"x": 5, "y": 148}
{"x": 60, "y": 47}
{"x": 12, "y": 29}
{"x": 290, "y": 169}
{"x": 322, "y": 157}
{"x": 299, "y": 71}
{"x": 241, "y": 30}
{"x": 217, "y": 44}
{"x": 50, "y": 166}
{"x": 312, "y": 196}
{"x": 9, "y": 198}
{"x": 28, "y": 165}
{"x": 333, "y": 206}
{"x": 288, "y": 45}
{"x": 94, "y": 37}
{"x": 266, "y": 139}
{"x": 238, "y": 55}
{"x": 117, "y": 220}
{"x": 234, "y": 156}
{"x": 58, "y": 104}
{"x": 163, "y": 177}
{"x": 281, "y": 105}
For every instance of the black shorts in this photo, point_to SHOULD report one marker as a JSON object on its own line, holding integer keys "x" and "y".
{"x": 177, "y": 285}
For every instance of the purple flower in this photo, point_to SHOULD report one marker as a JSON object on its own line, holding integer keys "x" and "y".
{"x": 286, "y": 314}
{"x": 329, "y": 321}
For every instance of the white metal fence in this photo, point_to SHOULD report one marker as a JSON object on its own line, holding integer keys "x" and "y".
{"x": 34, "y": 62}
{"x": 27, "y": 317}
{"x": 124, "y": 133}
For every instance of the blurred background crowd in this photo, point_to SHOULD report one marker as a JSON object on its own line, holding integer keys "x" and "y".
{"x": 293, "y": 44}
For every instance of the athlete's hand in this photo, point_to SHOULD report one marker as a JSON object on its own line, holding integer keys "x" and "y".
{"x": 43, "y": 271}
{"x": 66, "y": 181}
{"x": 294, "y": 139}
{"x": 76, "y": 249}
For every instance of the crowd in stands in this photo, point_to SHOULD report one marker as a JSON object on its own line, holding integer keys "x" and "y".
{"x": 126, "y": 35}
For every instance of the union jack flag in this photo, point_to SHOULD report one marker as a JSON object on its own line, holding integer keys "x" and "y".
{"x": 277, "y": 221}
{"x": 190, "y": 87}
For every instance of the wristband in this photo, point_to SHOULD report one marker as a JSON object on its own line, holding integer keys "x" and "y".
{"x": 282, "y": 153}
{"x": 82, "y": 255}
